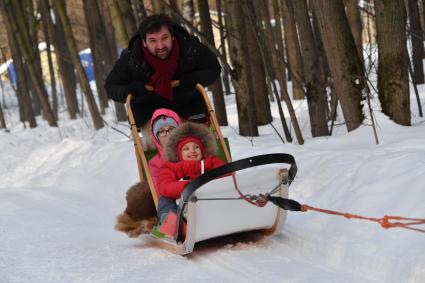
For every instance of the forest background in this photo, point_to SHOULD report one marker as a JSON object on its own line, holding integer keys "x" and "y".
{"x": 336, "y": 55}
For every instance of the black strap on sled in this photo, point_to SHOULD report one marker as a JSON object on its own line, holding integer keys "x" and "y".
{"x": 229, "y": 168}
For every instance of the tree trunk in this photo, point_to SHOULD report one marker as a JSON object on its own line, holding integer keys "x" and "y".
{"x": 236, "y": 11}
{"x": 26, "y": 112}
{"x": 139, "y": 11}
{"x": 344, "y": 62}
{"x": 157, "y": 7}
{"x": 112, "y": 44}
{"x": 122, "y": 41}
{"x": 2, "y": 121}
{"x": 258, "y": 78}
{"x": 225, "y": 74}
{"x": 128, "y": 17}
{"x": 172, "y": 9}
{"x": 27, "y": 9}
{"x": 277, "y": 34}
{"x": 355, "y": 21}
{"x": 120, "y": 31}
{"x": 416, "y": 36}
{"x": 188, "y": 10}
{"x": 258, "y": 65}
{"x": 315, "y": 90}
{"x": 216, "y": 88}
{"x": 98, "y": 44}
{"x": 393, "y": 80}
{"x": 63, "y": 59}
{"x": 17, "y": 21}
{"x": 47, "y": 38}
{"x": 110, "y": 30}
{"x": 267, "y": 58}
{"x": 293, "y": 50}
{"x": 422, "y": 6}
{"x": 323, "y": 65}
{"x": 84, "y": 83}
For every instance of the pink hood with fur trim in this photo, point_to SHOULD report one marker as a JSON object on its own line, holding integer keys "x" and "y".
{"x": 156, "y": 162}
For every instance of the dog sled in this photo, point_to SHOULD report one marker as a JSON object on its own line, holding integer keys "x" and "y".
{"x": 239, "y": 202}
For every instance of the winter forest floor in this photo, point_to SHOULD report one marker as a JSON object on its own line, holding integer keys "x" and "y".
{"x": 60, "y": 191}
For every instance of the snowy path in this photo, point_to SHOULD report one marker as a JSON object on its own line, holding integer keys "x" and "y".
{"x": 59, "y": 199}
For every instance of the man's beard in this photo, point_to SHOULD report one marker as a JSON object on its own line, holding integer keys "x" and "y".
{"x": 163, "y": 55}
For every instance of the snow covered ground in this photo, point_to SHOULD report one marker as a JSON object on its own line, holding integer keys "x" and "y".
{"x": 60, "y": 191}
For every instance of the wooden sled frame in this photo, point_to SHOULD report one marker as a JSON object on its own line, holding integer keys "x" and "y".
{"x": 185, "y": 246}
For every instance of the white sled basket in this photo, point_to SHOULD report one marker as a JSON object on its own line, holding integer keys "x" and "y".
{"x": 216, "y": 209}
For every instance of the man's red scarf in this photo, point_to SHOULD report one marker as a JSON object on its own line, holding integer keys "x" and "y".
{"x": 164, "y": 70}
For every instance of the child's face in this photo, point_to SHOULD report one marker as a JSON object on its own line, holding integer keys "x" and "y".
{"x": 191, "y": 151}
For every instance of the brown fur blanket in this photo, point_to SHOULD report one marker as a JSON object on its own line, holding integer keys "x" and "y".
{"x": 140, "y": 214}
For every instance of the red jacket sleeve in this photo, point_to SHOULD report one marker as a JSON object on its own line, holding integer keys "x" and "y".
{"x": 212, "y": 162}
{"x": 168, "y": 181}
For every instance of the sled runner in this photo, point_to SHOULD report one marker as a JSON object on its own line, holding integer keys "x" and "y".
{"x": 213, "y": 205}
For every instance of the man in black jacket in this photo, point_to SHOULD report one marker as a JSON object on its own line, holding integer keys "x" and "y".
{"x": 159, "y": 53}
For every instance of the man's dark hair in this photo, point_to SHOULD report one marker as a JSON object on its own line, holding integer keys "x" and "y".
{"x": 154, "y": 23}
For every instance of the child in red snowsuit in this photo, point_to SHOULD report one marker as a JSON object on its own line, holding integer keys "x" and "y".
{"x": 189, "y": 152}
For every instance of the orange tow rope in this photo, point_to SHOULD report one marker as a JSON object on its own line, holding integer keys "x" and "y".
{"x": 385, "y": 222}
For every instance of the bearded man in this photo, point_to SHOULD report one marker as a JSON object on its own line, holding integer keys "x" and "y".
{"x": 158, "y": 54}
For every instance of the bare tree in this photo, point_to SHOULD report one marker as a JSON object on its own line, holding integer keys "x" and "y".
{"x": 26, "y": 112}
{"x": 63, "y": 58}
{"x": 84, "y": 83}
{"x": 109, "y": 29}
{"x": 112, "y": 45}
{"x": 188, "y": 10}
{"x": 315, "y": 90}
{"x": 393, "y": 80}
{"x": 222, "y": 48}
{"x": 236, "y": 11}
{"x": 293, "y": 50}
{"x": 26, "y": 9}
{"x": 120, "y": 31}
{"x": 216, "y": 88}
{"x": 172, "y": 4}
{"x": 417, "y": 39}
{"x": 266, "y": 50}
{"x": 344, "y": 62}
{"x": 99, "y": 48}
{"x": 16, "y": 18}
{"x": 128, "y": 17}
{"x": 323, "y": 65}
{"x": 258, "y": 88}
{"x": 139, "y": 11}
{"x": 2, "y": 121}
{"x": 157, "y": 7}
{"x": 277, "y": 34}
{"x": 47, "y": 39}
{"x": 355, "y": 21}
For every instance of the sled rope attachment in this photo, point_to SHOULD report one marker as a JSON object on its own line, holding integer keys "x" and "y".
{"x": 386, "y": 222}
{"x": 261, "y": 200}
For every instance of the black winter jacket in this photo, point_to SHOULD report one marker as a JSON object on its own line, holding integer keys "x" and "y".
{"x": 197, "y": 64}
